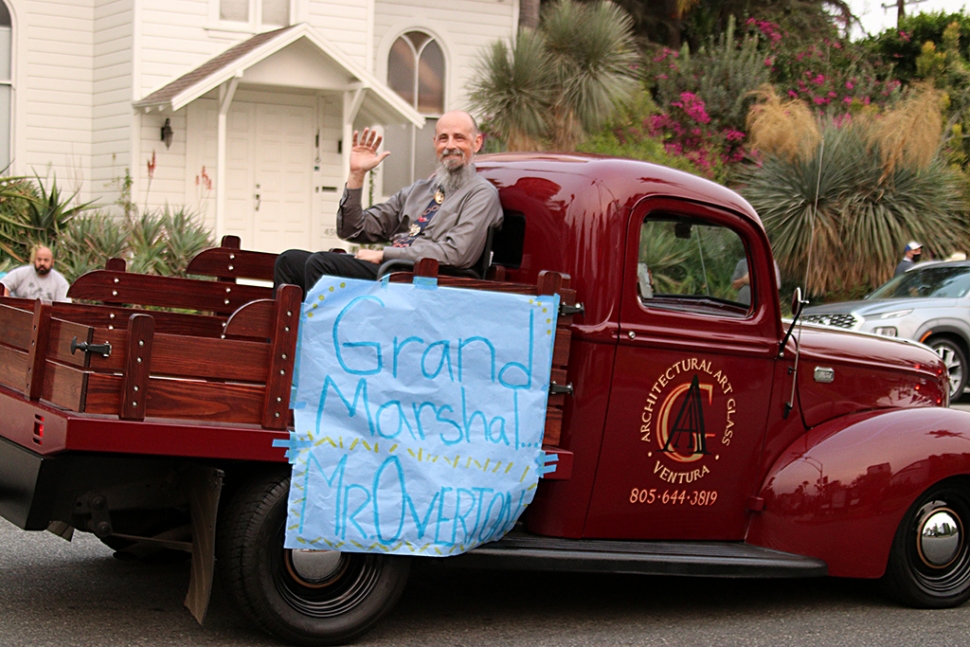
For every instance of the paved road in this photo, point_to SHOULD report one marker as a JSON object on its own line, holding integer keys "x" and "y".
{"x": 59, "y": 594}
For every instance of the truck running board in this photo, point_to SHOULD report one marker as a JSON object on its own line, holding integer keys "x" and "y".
{"x": 698, "y": 558}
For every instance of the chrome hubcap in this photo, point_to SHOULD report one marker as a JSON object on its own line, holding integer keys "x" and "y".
{"x": 315, "y": 568}
{"x": 940, "y": 537}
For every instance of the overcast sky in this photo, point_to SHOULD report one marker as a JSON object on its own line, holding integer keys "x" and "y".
{"x": 875, "y": 18}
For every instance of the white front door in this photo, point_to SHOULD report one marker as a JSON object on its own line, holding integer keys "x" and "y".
{"x": 269, "y": 170}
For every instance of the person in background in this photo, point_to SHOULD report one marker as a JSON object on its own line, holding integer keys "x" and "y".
{"x": 741, "y": 281}
{"x": 39, "y": 280}
{"x": 445, "y": 217}
{"x": 911, "y": 256}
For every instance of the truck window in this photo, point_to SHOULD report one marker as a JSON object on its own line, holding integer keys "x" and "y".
{"x": 689, "y": 264}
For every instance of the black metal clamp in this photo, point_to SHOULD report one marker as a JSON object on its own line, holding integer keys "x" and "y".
{"x": 102, "y": 349}
{"x": 556, "y": 389}
{"x": 566, "y": 309}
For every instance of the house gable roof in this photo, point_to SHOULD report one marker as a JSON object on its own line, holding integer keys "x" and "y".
{"x": 378, "y": 101}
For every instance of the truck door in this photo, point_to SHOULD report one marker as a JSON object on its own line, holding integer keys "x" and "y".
{"x": 692, "y": 380}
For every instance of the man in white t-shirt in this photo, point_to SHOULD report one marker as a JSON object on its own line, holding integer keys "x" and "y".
{"x": 39, "y": 280}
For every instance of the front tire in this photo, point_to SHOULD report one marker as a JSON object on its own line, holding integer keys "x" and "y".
{"x": 929, "y": 564}
{"x": 301, "y": 597}
{"x": 956, "y": 364}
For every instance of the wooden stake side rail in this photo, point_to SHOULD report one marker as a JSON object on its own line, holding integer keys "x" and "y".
{"x": 243, "y": 379}
{"x": 229, "y": 264}
{"x": 114, "y": 287}
{"x": 111, "y": 317}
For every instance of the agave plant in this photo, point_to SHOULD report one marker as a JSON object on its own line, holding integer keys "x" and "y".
{"x": 50, "y": 212}
{"x": 89, "y": 241}
{"x": 184, "y": 238}
{"x": 146, "y": 242}
{"x": 15, "y": 232}
{"x": 875, "y": 186}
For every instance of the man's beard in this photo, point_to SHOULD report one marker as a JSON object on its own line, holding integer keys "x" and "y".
{"x": 453, "y": 179}
{"x": 42, "y": 271}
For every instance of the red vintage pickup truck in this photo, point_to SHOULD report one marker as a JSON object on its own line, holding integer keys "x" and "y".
{"x": 697, "y": 432}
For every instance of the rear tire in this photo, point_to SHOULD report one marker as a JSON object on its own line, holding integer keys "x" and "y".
{"x": 929, "y": 564}
{"x": 301, "y": 597}
{"x": 956, "y": 364}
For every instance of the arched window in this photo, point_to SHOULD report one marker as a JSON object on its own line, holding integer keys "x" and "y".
{"x": 6, "y": 85}
{"x": 416, "y": 71}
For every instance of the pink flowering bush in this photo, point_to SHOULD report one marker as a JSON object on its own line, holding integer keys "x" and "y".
{"x": 686, "y": 130}
{"x": 834, "y": 77}
{"x": 704, "y": 95}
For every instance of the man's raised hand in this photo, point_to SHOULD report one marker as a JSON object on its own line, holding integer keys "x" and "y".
{"x": 364, "y": 156}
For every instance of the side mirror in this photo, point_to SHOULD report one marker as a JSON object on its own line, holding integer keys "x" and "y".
{"x": 796, "y": 303}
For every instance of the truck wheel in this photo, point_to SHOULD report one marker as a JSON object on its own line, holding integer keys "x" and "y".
{"x": 305, "y": 597}
{"x": 929, "y": 564}
{"x": 956, "y": 364}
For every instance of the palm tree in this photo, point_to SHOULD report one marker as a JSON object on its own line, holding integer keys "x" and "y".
{"x": 557, "y": 84}
{"x": 594, "y": 58}
{"x": 514, "y": 88}
{"x": 879, "y": 181}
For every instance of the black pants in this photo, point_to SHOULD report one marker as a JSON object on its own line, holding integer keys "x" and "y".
{"x": 303, "y": 268}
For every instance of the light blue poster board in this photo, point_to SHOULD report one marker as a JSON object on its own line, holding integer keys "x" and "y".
{"x": 419, "y": 415}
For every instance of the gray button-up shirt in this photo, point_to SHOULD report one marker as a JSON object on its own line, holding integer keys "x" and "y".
{"x": 455, "y": 236}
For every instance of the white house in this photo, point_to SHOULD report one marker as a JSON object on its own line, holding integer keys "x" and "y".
{"x": 245, "y": 106}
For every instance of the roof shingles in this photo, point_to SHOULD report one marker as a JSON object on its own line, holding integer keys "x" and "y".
{"x": 170, "y": 91}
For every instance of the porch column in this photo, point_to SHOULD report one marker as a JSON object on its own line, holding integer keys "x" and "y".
{"x": 226, "y": 92}
{"x": 353, "y": 98}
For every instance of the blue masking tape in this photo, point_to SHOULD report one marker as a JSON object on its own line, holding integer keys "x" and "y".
{"x": 425, "y": 283}
{"x": 293, "y": 443}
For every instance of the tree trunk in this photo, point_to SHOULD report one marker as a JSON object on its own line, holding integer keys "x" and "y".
{"x": 529, "y": 14}
{"x": 673, "y": 22}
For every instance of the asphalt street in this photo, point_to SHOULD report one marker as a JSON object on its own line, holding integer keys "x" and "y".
{"x": 57, "y": 594}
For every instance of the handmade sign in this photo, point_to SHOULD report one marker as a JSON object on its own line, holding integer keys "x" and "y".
{"x": 419, "y": 415}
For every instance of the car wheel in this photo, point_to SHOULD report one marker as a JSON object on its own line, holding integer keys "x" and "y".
{"x": 929, "y": 564}
{"x": 305, "y": 597}
{"x": 956, "y": 364}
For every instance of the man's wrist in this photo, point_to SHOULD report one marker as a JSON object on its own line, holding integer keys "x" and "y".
{"x": 356, "y": 180}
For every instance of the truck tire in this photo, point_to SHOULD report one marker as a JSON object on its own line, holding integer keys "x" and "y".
{"x": 929, "y": 563}
{"x": 301, "y": 597}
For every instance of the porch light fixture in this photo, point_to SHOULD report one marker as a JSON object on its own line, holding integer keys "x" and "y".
{"x": 167, "y": 133}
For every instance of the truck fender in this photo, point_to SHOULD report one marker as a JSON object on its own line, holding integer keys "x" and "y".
{"x": 840, "y": 491}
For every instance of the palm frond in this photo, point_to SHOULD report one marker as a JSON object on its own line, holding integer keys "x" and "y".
{"x": 512, "y": 88}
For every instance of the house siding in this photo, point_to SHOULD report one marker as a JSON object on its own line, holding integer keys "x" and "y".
{"x": 54, "y": 77}
{"x": 464, "y": 28}
{"x": 343, "y": 24}
{"x": 111, "y": 114}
